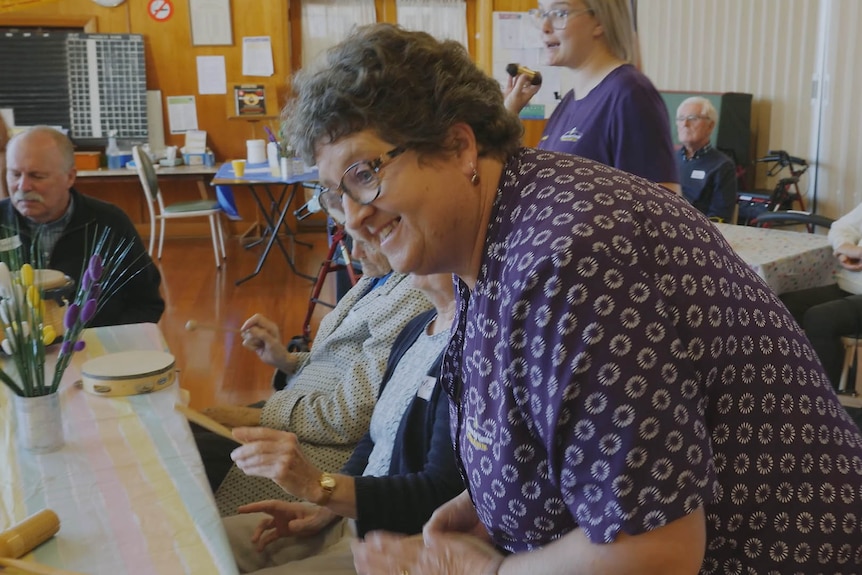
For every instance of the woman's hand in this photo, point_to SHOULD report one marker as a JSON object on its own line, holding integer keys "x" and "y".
{"x": 262, "y": 336}
{"x": 454, "y": 542}
{"x": 234, "y": 415}
{"x": 849, "y": 256}
{"x": 457, "y": 515}
{"x": 519, "y": 91}
{"x": 277, "y": 455}
{"x": 440, "y": 554}
{"x": 287, "y": 519}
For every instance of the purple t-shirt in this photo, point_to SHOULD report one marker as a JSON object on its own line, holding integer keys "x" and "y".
{"x": 617, "y": 365}
{"x": 622, "y": 122}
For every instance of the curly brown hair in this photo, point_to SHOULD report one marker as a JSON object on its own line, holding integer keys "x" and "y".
{"x": 407, "y": 87}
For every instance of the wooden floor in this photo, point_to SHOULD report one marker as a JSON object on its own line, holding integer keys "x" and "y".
{"x": 213, "y": 365}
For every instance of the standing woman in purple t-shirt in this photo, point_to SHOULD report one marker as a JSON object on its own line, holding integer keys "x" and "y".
{"x": 613, "y": 114}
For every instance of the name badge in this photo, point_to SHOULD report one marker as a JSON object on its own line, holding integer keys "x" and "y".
{"x": 426, "y": 387}
{"x": 698, "y": 174}
{"x": 11, "y": 243}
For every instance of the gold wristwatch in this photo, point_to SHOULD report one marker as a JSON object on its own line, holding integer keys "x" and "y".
{"x": 327, "y": 484}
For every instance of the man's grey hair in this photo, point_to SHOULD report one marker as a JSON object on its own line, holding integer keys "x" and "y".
{"x": 706, "y": 107}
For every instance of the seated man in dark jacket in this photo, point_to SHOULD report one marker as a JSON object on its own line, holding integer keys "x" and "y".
{"x": 400, "y": 472}
{"x": 708, "y": 177}
{"x": 57, "y": 226}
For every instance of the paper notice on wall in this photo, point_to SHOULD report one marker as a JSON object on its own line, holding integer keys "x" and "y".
{"x": 182, "y": 114}
{"x": 8, "y": 115}
{"x": 212, "y": 78}
{"x": 257, "y": 56}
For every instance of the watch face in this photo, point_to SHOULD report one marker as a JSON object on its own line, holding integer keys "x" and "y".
{"x": 327, "y": 482}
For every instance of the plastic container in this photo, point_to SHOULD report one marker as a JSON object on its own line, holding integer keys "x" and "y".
{"x": 120, "y": 160}
{"x": 87, "y": 160}
{"x": 199, "y": 159}
{"x": 256, "y": 151}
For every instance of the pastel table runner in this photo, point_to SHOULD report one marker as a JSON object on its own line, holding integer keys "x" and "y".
{"x": 128, "y": 485}
{"x": 787, "y": 261}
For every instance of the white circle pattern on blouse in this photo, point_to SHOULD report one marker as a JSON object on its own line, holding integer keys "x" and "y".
{"x": 617, "y": 366}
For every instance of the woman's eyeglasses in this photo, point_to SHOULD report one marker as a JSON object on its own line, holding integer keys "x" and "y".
{"x": 558, "y": 17}
{"x": 360, "y": 181}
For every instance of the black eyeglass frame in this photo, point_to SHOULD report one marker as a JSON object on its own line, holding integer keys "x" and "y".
{"x": 375, "y": 166}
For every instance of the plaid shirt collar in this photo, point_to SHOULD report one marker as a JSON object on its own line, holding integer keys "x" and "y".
{"x": 697, "y": 154}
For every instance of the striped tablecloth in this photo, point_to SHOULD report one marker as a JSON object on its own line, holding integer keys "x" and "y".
{"x": 128, "y": 485}
{"x": 787, "y": 261}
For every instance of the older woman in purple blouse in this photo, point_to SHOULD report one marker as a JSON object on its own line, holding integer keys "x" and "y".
{"x": 627, "y": 395}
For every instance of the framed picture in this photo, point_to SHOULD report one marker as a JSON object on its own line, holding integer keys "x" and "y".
{"x": 210, "y": 22}
{"x": 252, "y": 101}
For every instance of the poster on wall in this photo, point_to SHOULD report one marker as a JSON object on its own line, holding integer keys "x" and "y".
{"x": 182, "y": 114}
{"x": 250, "y": 100}
{"x": 210, "y": 22}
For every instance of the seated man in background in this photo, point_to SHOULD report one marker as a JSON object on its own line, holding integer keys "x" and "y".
{"x": 401, "y": 471}
{"x": 40, "y": 172}
{"x": 329, "y": 392}
{"x": 707, "y": 176}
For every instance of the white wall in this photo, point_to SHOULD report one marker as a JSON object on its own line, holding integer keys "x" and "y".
{"x": 769, "y": 48}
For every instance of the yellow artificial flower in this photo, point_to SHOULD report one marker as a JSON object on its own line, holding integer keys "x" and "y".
{"x": 49, "y": 334}
{"x": 27, "y": 275}
{"x": 34, "y": 298}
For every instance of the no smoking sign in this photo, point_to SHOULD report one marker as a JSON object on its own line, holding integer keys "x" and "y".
{"x": 160, "y": 10}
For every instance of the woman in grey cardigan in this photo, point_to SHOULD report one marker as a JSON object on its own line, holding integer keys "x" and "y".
{"x": 400, "y": 472}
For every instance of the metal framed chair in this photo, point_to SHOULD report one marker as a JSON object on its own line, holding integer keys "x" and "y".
{"x": 162, "y": 212}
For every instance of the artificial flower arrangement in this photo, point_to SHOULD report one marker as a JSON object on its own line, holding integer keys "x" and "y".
{"x": 27, "y": 334}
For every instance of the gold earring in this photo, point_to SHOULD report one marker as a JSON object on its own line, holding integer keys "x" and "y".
{"x": 474, "y": 179}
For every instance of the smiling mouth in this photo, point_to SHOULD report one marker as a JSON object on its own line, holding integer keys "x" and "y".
{"x": 384, "y": 232}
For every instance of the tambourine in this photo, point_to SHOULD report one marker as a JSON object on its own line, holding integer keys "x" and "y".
{"x": 128, "y": 373}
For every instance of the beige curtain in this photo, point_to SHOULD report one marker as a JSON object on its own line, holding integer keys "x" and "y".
{"x": 443, "y": 19}
{"x": 327, "y": 22}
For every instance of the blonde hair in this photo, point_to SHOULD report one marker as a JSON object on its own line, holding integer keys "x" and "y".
{"x": 617, "y": 22}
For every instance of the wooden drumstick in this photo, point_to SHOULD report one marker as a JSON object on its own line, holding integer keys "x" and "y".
{"x": 193, "y": 325}
{"x": 205, "y": 421}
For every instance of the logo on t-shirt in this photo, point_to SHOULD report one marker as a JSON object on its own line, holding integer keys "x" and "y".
{"x": 572, "y": 135}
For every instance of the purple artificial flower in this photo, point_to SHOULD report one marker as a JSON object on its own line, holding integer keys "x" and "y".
{"x": 66, "y": 347}
{"x": 86, "y": 281}
{"x": 71, "y": 316}
{"x": 95, "y": 291}
{"x": 80, "y": 344}
{"x": 88, "y": 311}
{"x": 95, "y": 267}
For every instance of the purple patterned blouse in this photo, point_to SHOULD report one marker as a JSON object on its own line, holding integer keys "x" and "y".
{"x": 618, "y": 366}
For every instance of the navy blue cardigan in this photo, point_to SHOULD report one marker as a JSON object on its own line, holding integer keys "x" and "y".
{"x": 422, "y": 474}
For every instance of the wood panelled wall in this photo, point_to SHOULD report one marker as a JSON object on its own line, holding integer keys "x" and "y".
{"x": 171, "y": 68}
{"x": 171, "y": 58}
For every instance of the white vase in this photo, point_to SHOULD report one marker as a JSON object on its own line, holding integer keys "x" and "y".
{"x": 40, "y": 424}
